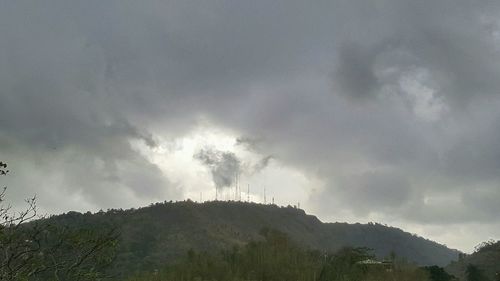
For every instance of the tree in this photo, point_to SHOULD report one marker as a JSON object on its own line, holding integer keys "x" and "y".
{"x": 33, "y": 249}
{"x": 343, "y": 264}
{"x": 484, "y": 246}
{"x": 473, "y": 273}
{"x": 437, "y": 273}
{"x": 3, "y": 169}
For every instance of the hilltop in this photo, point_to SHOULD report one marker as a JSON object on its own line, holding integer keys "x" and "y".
{"x": 164, "y": 232}
{"x": 486, "y": 258}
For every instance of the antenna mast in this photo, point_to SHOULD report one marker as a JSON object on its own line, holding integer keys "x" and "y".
{"x": 238, "y": 191}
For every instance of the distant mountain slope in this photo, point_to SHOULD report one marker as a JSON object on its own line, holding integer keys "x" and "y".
{"x": 487, "y": 259}
{"x": 164, "y": 232}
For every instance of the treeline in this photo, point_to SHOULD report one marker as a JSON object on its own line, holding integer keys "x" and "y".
{"x": 277, "y": 258}
{"x": 482, "y": 265}
{"x": 162, "y": 233}
{"x": 33, "y": 249}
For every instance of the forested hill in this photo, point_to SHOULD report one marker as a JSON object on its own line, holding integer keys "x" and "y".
{"x": 163, "y": 232}
{"x": 486, "y": 259}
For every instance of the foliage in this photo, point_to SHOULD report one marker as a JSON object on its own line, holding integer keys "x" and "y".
{"x": 33, "y": 249}
{"x": 163, "y": 232}
{"x": 486, "y": 246}
{"x": 483, "y": 263}
{"x": 277, "y": 258}
{"x": 3, "y": 168}
{"x": 473, "y": 273}
{"x": 437, "y": 273}
{"x": 344, "y": 264}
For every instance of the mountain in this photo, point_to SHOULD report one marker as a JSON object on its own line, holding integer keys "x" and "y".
{"x": 163, "y": 232}
{"x": 486, "y": 258}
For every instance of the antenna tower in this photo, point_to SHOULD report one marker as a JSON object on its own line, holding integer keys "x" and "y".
{"x": 238, "y": 192}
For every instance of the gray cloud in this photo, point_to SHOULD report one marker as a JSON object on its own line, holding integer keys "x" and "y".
{"x": 375, "y": 191}
{"x": 224, "y": 166}
{"x": 262, "y": 164}
{"x": 355, "y": 74}
{"x": 393, "y": 103}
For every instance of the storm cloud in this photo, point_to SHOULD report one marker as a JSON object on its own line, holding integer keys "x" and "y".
{"x": 389, "y": 107}
{"x": 223, "y": 165}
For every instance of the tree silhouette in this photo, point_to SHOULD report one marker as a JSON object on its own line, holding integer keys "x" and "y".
{"x": 473, "y": 273}
{"x": 32, "y": 249}
{"x": 3, "y": 168}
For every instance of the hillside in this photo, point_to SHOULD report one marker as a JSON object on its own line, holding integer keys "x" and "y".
{"x": 162, "y": 233}
{"x": 486, "y": 259}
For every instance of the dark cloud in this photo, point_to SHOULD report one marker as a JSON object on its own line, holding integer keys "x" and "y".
{"x": 224, "y": 166}
{"x": 392, "y": 103}
{"x": 262, "y": 164}
{"x": 250, "y": 143}
{"x": 355, "y": 72}
{"x": 367, "y": 193}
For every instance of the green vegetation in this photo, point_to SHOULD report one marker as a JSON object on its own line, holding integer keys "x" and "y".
{"x": 38, "y": 250}
{"x": 483, "y": 264}
{"x": 473, "y": 273}
{"x": 277, "y": 258}
{"x": 162, "y": 233}
{"x": 437, "y": 273}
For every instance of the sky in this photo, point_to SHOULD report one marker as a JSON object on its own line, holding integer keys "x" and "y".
{"x": 360, "y": 111}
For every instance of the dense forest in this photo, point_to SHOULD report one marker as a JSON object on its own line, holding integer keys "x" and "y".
{"x": 483, "y": 264}
{"x": 278, "y": 258}
{"x": 164, "y": 232}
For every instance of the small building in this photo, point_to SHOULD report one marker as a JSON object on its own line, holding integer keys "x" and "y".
{"x": 387, "y": 265}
